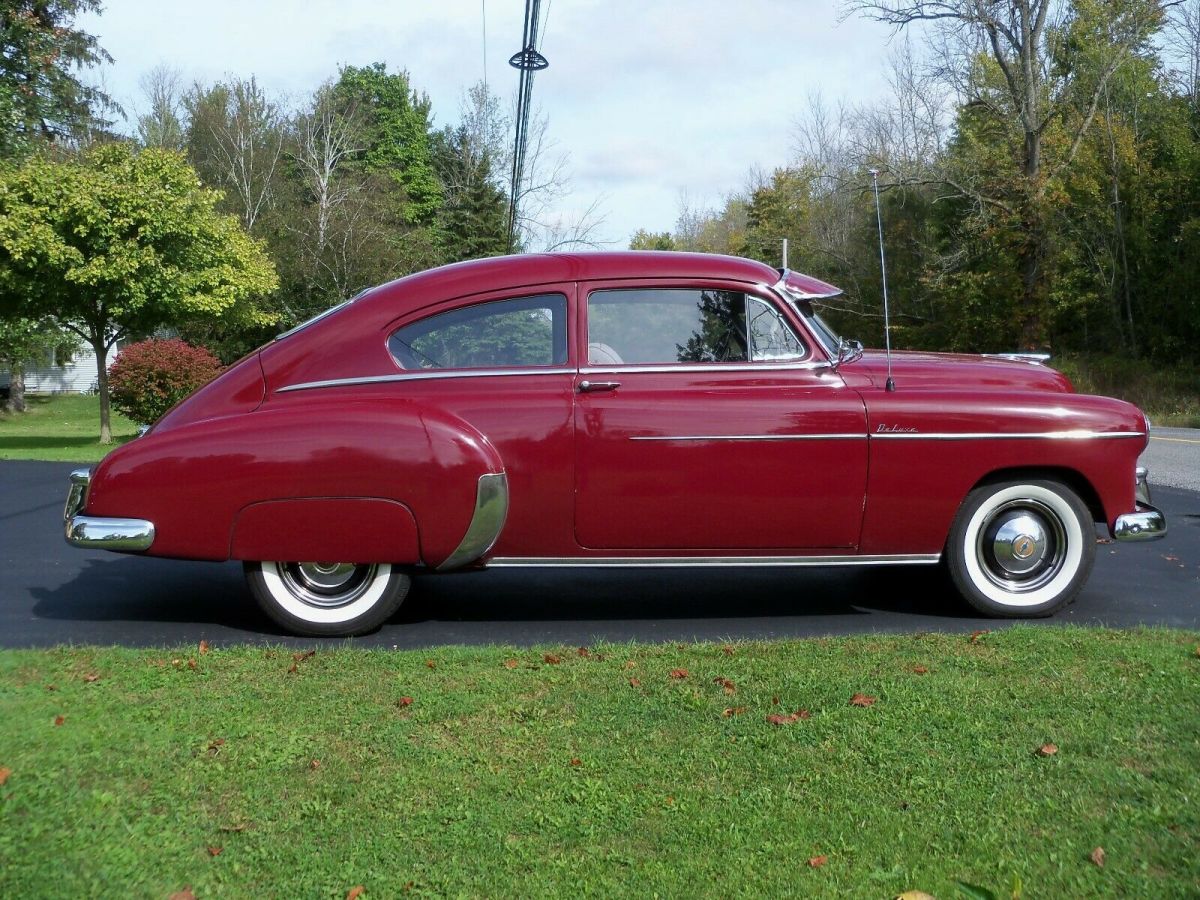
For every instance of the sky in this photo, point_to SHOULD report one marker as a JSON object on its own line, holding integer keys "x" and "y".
{"x": 653, "y": 101}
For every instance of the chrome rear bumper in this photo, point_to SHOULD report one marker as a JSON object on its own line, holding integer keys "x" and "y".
{"x": 1147, "y": 523}
{"x": 126, "y": 535}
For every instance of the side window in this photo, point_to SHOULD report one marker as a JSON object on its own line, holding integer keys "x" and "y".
{"x": 685, "y": 326}
{"x": 528, "y": 331}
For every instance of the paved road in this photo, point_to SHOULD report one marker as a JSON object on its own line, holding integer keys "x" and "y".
{"x": 51, "y": 593}
{"x": 1173, "y": 457}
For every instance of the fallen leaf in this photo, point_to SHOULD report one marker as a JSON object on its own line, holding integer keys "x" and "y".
{"x": 1098, "y": 857}
{"x": 303, "y": 655}
{"x": 633, "y": 682}
{"x": 54, "y": 687}
{"x": 1047, "y": 750}
{"x": 191, "y": 664}
{"x": 178, "y": 662}
{"x": 5, "y": 771}
{"x": 91, "y": 677}
{"x": 727, "y": 650}
{"x": 552, "y": 659}
{"x": 404, "y": 701}
{"x": 976, "y": 635}
{"x": 777, "y": 719}
{"x": 185, "y": 894}
{"x": 817, "y": 861}
{"x": 670, "y": 801}
{"x": 314, "y": 764}
{"x": 733, "y": 711}
{"x": 355, "y": 892}
{"x": 511, "y": 664}
{"x": 584, "y": 652}
{"x": 58, "y": 720}
{"x": 293, "y": 668}
{"x": 728, "y": 685}
{"x": 215, "y": 851}
{"x": 203, "y": 647}
{"x": 679, "y": 673}
{"x": 862, "y": 700}
{"x": 630, "y": 664}
{"x": 803, "y": 714}
{"x": 920, "y": 670}
{"x": 430, "y": 664}
{"x": 215, "y": 747}
{"x": 576, "y": 761}
{"x": 915, "y": 895}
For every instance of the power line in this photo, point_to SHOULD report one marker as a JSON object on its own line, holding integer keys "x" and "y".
{"x": 527, "y": 61}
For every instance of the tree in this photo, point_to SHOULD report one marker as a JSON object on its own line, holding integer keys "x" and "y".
{"x": 22, "y": 340}
{"x": 1031, "y": 74}
{"x": 116, "y": 243}
{"x": 42, "y": 100}
{"x": 647, "y": 240}
{"x": 161, "y": 125}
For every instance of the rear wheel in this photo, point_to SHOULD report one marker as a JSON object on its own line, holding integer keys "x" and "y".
{"x": 1021, "y": 549}
{"x": 327, "y": 599}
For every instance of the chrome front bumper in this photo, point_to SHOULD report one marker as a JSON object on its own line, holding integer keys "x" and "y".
{"x": 126, "y": 535}
{"x": 1147, "y": 523}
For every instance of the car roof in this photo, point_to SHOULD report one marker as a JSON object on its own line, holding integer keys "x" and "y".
{"x": 527, "y": 270}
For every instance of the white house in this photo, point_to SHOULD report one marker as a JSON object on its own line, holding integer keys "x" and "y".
{"x": 76, "y": 377}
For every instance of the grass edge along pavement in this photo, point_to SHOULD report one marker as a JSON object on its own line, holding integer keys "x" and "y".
{"x": 62, "y": 428}
{"x": 867, "y": 765}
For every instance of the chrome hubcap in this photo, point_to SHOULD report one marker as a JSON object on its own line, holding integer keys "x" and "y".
{"x": 326, "y": 584}
{"x": 1021, "y": 546}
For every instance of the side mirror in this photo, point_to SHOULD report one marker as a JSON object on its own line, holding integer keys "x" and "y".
{"x": 848, "y": 352}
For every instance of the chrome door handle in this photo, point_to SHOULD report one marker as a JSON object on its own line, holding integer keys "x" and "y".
{"x": 586, "y": 387}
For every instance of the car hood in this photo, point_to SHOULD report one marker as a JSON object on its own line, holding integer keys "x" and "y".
{"x": 959, "y": 370}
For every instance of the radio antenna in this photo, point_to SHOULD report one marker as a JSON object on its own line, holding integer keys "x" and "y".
{"x": 888, "y": 385}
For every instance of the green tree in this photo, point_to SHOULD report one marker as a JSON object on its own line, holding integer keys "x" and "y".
{"x": 473, "y": 218}
{"x": 115, "y": 243}
{"x": 42, "y": 99}
{"x": 23, "y": 340}
{"x": 648, "y": 240}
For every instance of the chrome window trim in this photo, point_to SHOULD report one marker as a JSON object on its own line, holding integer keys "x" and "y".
{"x": 432, "y": 375}
{"x": 850, "y": 436}
{"x": 671, "y": 368}
{"x": 491, "y": 510}
{"x": 1079, "y": 435}
{"x": 642, "y": 562}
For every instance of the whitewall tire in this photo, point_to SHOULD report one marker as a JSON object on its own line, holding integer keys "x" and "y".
{"x": 327, "y": 599}
{"x": 1021, "y": 549}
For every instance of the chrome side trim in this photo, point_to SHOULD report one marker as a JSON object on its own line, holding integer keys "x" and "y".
{"x": 753, "y": 437}
{"x": 109, "y": 534}
{"x": 1038, "y": 358}
{"x": 1147, "y": 524}
{"x": 491, "y": 509}
{"x": 77, "y": 495}
{"x": 424, "y": 375}
{"x": 1004, "y": 436}
{"x": 706, "y": 367}
{"x": 682, "y": 562}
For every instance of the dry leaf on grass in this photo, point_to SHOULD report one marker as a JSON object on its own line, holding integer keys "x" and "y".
{"x": 58, "y": 720}
{"x": 863, "y": 700}
{"x": 733, "y": 711}
{"x": 915, "y": 895}
{"x": 634, "y": 682}
{"x": 584, "y": 652}
{"x": 976, "y": 635}
{"x": 728, "y": 685}
{"x": 920, "y": 670}
{"x": 215, "y": 746}
{"x": 817, "y": 861}
{"x": 777, "y": 719}
{"x": 404, "y": 701}
{"x": 355, "y": 892}
{"x": 1047, "y": 750}
{"x": 91, "y": 677}
{"x": 5, "y": 771}
{"x": 679, "y": 673}
{"x": 203, "y": 648}
{"x": 511, "y": 664}
{"x": 185, "y": 894}
{"x": 576, "y": 761}
{"x": 1098, "y": 857}
{"x": 552, "y": 659}
{"x": 215, "y": 851}
{"x": 727, "y": 650}
{"x": 630, "y": 664}
{"x": 430, "y": 664}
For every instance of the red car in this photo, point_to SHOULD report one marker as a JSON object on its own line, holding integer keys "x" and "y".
{"x": 615, "y": 409}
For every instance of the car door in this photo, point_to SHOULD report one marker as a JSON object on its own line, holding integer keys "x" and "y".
{"x": 706, "y": 420}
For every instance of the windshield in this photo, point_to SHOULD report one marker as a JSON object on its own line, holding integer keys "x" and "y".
{"x": 829, "y": 338}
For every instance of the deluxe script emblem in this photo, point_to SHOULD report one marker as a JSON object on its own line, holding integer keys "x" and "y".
{"x": 894, "y": 429}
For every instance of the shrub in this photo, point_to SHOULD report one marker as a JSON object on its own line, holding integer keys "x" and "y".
{"x": 149, "y": 377}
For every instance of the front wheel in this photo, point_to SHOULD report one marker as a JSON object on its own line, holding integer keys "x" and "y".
{"x": 1021, "y": 549}
{"x": 327, "y": 599}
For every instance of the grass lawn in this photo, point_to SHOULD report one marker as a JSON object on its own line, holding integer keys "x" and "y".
{"x": 60, "y": 427}
{"x": 624, "y": 770}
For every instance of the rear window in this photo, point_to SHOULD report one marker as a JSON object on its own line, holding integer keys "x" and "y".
{"x": 518, "y": 333}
